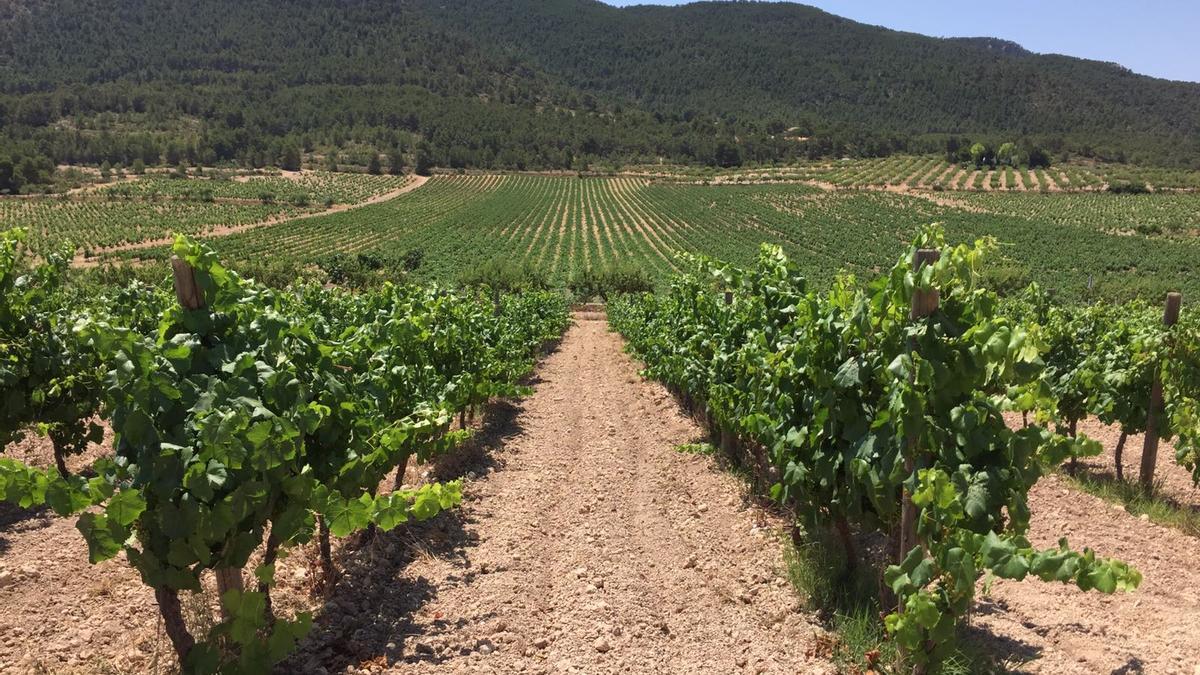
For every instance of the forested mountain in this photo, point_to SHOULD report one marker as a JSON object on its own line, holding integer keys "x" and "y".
{"x": 804, "y": 66}
{"x": 541, "y": 83}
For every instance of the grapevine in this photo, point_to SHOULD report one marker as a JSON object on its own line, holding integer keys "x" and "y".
{"x": 250, "y": 420}
{"x": 856, "y": 404}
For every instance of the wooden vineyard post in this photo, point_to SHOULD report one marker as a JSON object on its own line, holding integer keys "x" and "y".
{"x": 728, "y": 437}
{"x": 191, "y": 297}
{"x": 1150, "y": 448}
{"x": 924, "y": 303}
{"x": 186, "y": 289}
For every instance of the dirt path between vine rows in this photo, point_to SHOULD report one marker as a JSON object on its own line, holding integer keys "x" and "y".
{"x": 58, "y": 613}
{"x": 594, "y": 546}
{"x": 1060, "y": 629}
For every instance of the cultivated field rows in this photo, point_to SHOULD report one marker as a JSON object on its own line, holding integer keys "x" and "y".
{"x": 929, "y": 172}
{"x": 564, "y": 224}
{"x": 154, "y": 207}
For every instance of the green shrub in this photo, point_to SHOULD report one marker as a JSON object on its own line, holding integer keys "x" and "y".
{"x": 1128, "y": 187}
{"x": 609, "y": 280}
{"x": 506, "y": 275}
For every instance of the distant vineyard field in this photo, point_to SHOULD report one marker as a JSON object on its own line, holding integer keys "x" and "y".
{"x": 1172, "y": 214}
{"x": 155, "y": 206}
{"x": 935, "y": 173}
{"x": 94, "y": 224}
{"x": 307, "y": 187}
{"x": 565, "y": 224}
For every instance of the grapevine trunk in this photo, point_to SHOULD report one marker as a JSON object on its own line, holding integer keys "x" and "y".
{"x": 176, "y": 628}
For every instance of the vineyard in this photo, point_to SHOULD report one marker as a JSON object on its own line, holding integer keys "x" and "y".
{"x": 598, "y": 337}
{"x": 310, "y": 187}
{"x": 1176, "y": 215}
{"x": 906, "y": 425}
{"x": 565, "y": 225}
{"x": 915, "y": 172}
{"x": 247, "y": 422}
{"x": 237, "y": 454}
{"x": 882, "y": 411}
{"x": 155, "y": 207}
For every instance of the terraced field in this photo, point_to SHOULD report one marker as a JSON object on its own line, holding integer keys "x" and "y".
{"x": 92, "y": 224}
{"x": 933, "y": 172}
{"x": 293, "y": 187}
{"x": 154, "y": 207}
{"x": 564, "y": 224}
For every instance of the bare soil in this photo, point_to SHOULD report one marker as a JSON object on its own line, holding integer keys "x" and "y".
{"x": 593, "y": 546}
{"x": 1057, "y": 628}
{"x": 1171, "y": 479}
{"x": 58, "y": 613}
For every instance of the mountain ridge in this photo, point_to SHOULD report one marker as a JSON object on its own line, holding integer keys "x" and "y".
{"x": 548, "y": 84}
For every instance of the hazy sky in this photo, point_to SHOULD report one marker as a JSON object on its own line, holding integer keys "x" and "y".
{"x": 1154, "y": 37}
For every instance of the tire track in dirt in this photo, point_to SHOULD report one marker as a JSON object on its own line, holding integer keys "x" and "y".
{"x": 599, "y": 548}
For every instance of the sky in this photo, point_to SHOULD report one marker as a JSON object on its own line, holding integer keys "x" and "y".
{"x": 1152, "y": 37}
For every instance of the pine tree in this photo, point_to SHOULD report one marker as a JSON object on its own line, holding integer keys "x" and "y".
{"x": 423, "y": 162}
{"x": 291, "y": 159}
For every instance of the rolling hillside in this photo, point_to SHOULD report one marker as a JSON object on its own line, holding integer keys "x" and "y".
{"x": 546, "y": 84}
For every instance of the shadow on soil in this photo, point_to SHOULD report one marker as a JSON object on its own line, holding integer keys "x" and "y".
{"x": 15, "y": 519}
{"x": 367, "y": 619}
{"x": 1008, "y": 654}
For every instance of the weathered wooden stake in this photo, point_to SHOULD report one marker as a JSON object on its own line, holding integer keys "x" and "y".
{"x": 186, "y": 288}
{"x": 728, "y": 436}
{"x": 191, "y": 297}
{"x": 924, "y": 303}
{"x": 1150, "y": 447}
